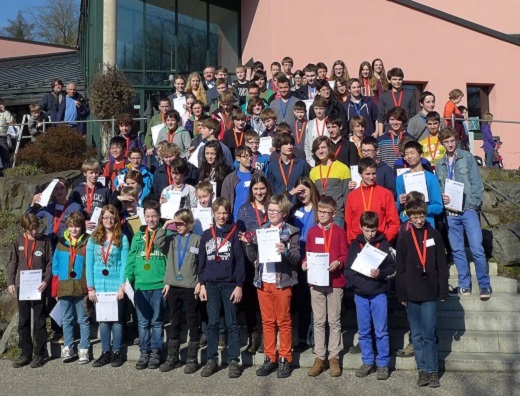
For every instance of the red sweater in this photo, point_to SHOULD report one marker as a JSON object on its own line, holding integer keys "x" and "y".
{"x": 338, "y": 250}
{"x": 382, "y": 203}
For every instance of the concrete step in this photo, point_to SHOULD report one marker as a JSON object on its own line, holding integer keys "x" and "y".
{"x": 492, "y": 269}
{"x": 499, "y": 284}
{"x": 490, "y": 321}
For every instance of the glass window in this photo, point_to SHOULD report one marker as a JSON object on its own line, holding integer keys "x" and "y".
{"x": 192, "y": 39}
{"x": 478, "y": 104}
{"x": 224, "y": 46}
{"x": 417, "y": 89}
{"x": 130, "y": 34}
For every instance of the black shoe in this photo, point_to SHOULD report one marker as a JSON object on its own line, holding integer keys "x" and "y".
{"x": 234, "y": 369}
{"x": 37, "y": 361}
{"x": 155, "y": 359}
{"x": 301, "y": 347}
{"x": 192, "y": 363}
{"x": 254, "y": 343}
{"x": 142, "y": 363}
{"x": 284, "y": 368}
{"x": 21, "y": 361}
{"x": 423, "y": 379}
{"x": 209, "y": 369}
{"x": 355, "y": 349}
{"x": 433, "y": 379}
{"x": 172, "y": 360}
{"x": 267, "y": 368}
{"x": 117, "y": 359}
{"x": 104, "y": 359}
{"x": 203, "y": 341}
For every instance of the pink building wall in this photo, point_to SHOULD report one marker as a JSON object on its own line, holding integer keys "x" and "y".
{"x": 438, "y": 53}
{"x": 10, "y": 48}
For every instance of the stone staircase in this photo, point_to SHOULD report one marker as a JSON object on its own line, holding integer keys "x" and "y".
{"x": 473, "y": 335}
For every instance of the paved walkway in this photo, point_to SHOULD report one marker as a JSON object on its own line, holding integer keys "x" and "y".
{"x": 57, "y": 378}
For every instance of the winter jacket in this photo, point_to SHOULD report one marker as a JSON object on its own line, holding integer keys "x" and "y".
{"x": 69, "y": 286}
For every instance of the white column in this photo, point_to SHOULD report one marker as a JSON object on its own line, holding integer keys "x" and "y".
{"x": 109, "y": 31}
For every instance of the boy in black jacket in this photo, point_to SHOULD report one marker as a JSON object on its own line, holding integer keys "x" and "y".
{"x": 221, "y": 277}
{"x": 422, "y": 280}
{"x": 370, "y": 298}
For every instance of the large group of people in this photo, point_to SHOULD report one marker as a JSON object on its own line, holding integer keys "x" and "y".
{"x": 266, "y": 195}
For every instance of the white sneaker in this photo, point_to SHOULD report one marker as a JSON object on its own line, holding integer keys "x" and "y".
{"x": 84, "y": 356}
{"x": 68, "y": 355}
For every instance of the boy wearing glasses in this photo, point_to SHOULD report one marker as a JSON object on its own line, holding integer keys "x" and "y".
{"x": 327, "y": 237}
{"x": 135, "y": 158}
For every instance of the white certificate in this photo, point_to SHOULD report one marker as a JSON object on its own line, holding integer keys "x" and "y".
{"x": 194, "y": 157}
{"x": 265, "y": 145}
{"x": 354, "y": 175}
{"x": 308, "y": 104}
{"x": 129, "y": 290}
{"x": 318, "y": 269}
{"x": 454, "y": 190}
{"x": 106, "y": 307}
{"x": 179, "y": 104}
{"x": 102, "y": 180}
{"x": 158, "y": 134}
{"x": 29, "y": 282}
{"x": 46, "y": 194}
{"x": 401, "y": 171}
{"x": 95, "y": 218}
{"x": 267, "y": 238}
{"x": 57, "y": 314}
{"x": 369, "y": 258}
{"x": 416, "y": 181}
{"x": 140, "y": 213}
{"x": 203, "y": 220}
{"x": 172, "y": 205}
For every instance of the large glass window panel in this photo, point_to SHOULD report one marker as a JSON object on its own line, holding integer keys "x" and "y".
{"x": 130, "y": 43}
{"x": 225, "y": 49}
{"x": 159, "y": 35}
{"x": 192, "y": 37}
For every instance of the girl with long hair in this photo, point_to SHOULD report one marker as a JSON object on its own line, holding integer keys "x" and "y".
{"x": 260, "y": 79}
{"x": 340, "y": 90}
{"x": 339, "y": 70}
{"x": 213, "y": 167}
{"x": 368, "y": 81}
{"x": 379, "y": 72}
{"x": 195, "y": 87}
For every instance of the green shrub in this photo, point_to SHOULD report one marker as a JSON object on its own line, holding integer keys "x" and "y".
{"x": 60, "y": 149}
{"x": 9, "y": 227}
{"x": 24, "y": 170}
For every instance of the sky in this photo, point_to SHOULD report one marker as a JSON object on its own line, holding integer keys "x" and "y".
{"x": 11, "y": 11}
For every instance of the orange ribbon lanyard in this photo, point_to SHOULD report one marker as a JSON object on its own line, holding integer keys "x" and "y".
{"x": 433, "y": 154}
{"x": 397, "y": 103}
{"x": 90, "y": 197}
{"x": 366, "y": 83}
{"x": 28, "y": 257}
{"x": 105, "y": 255}
{"x": 299, "y": 132}
{"x": 358, "y": 146}
{"x": 257, "y": 213}
{"x": 394, "y": 147}
{"x": 325, "y": 183}
{"x": 222, "y": 241}
{"x": 338, "y": 149}
{"x": 170, "y": 136}
{"x": 56, "y": 221}
{"x": 367, "y": 208}
{"x": 238, "y": 141}
{"x": 169, "y": 173}
{"x": 127, "y": 145}
{"x": 422, "y": 257}
{"x": 285, "y": 178}
{"x": 322, "y": 129}
{"x": 148, "y": 242}
{"x": 72, "y": 255}
{"x": 326, "y": 241}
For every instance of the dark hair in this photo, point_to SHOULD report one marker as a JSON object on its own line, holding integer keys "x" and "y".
{"x": 320, "y": 101}
{"x": 118, "y": 141}
{"x": 315, "y": 196}
{"x": 433, "y": 116}
{"x": 395, "y": 72}
{"x": 180, "y": 166}
{"x": 369, "y": 219}
{"x": 424, "y": 95}
{"x": 398, "y": 113}
{"x": 334, "y": 120}
{"x": 316, "y": 144}
{"x": 241, "y": 150}
{"x": 414, "y": 144}
{"x": 259, "y": 178}
{"x": 358, "y": 120}
{"x": 281, "y": 139}
{"x": 321, "y": 65}
{"x": 221, "y": 169}
{"x": 253, "y": 102}
{"x": 370, "y": 140}
{"x": 283, "y": 80}
{"x": 211, "y": 123}
{"x": 221, "y": 202}
{"x": 56, "y": 80}
{"x": 328, "y": 201}
{"x": 258, "y": 65}
{"x": 365, "y": 163}
{"x": 173, "y": 114}
{"x": 125, "y": 119}
{"x": 152, "y": 204}
{"x": 300, "y": 105}
{"x": 135, "y": 176}
{"x": 415, "y": 207}
{"x": 310, "y": 68}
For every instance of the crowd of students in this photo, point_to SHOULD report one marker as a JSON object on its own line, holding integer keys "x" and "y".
{"x": 332, "y": 183}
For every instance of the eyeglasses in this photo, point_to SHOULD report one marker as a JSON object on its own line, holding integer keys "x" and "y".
{"x": 324, "y": 212}
{"x": 274, "y": 211}
{"x": 246, "y": 156}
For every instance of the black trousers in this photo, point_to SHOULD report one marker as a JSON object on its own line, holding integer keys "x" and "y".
{"x": 24, "y": 327}
{"x": 176, "y": 297}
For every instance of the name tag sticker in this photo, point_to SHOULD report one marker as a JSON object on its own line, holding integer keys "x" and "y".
{"x": 194, "y": 250}
{"x": 299, "y": 214}
{"x": 320, "y": 241}
{"x": 430, "y": 242}
{"x": 247, "y": 183}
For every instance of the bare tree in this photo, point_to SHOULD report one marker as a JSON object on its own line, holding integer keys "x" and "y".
{"x": 56, "y": 21}
{"x": 18, "y": 28}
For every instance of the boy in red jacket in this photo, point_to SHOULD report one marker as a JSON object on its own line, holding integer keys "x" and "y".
{"x": 328, "y": 238}
{"x": 371, "y": 197}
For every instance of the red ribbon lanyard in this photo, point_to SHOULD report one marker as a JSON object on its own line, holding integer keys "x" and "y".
{"x": 257, "y": 213}
{"x": 170, "y": 136}
{"x": 56, "y": 221}
{"x": 367, "y": 208}
{"x": 29, "y": 258}
{"x": 284, "y": 177}
{"x": 169, "y": 173}
{"x": 326, "y": 241}
{"x": 105, "y": 255}
{"x": 238, "y": 141}
{"x": 338, "y": 149}
{"x": 223, "y": 241}
{"x": 422, "y": 257}
{"x": 325, "y": 183}
{"x": 394, "y": 147}
{"x": 90, "y": 197}
{"x": 322, "y": 129}
{"x": 299, "y": 132}
{"x": 397, "y": 103}
{"x": 127, "y": 145}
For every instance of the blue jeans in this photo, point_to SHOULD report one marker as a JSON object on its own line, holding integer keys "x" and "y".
{"x": 422, "y": 317}
{"x": 373, "y": 309}
{"x": 469, "y": 222}
{"x": 74, "y": 310}
{"x": 113, "y": 330}
{"x": 219, "y": 295}
{"x": 150, "y": 312}
{"x": 488, "y": 158}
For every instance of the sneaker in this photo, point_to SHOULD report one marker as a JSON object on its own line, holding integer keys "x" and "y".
{"x": 38, "y": 361}
{"x": 406, "y": 352}
{"x": 355, "y": 350}
{"x": 284, "y": 368}
{"x": 104, "y": 359}
{"x": 365, "y": 370}
{"x": 234, "y": 369}
{"x": 203, "y": 341}
{"x": 267, "y": 368}
{"x": 382, "y": 373}
{"x": 433, "y": 380}
{"x": 423, "y": 379}
{"x": 221, "y": 342}
{"x": 485, "y": 293}
{"x": 84, "y": 356}
{"x": 460, "y": 291}
{"x": 301, "y": 347}
{"x": 21, "y": 361}
{"x": 155, "y": 359}
{"x": 117, "y": 359}
{"x": 68, "y": 355}
{"x": 209, "y": 369}
{"x": 142, "y": 363}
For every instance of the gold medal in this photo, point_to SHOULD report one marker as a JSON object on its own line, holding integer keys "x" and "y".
{"x": 147, "y": 267}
